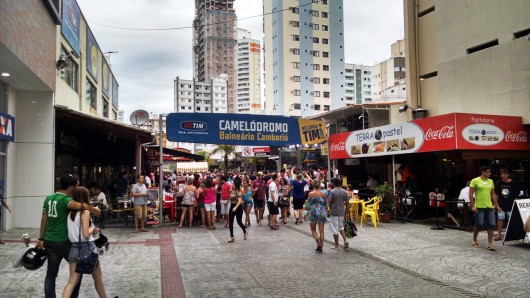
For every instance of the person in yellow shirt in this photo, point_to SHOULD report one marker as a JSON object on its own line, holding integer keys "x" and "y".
{"x": 483, "y": 203}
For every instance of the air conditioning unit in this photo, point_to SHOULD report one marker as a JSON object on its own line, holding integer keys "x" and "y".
{"x": 311, "y": 51}
{"x": 311, "y": 80}
{"x": 313, "y": 106}
{"x": 312, "y": 91}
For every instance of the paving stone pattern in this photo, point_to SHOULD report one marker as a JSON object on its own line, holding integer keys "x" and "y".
{"x": 392, "y": 260}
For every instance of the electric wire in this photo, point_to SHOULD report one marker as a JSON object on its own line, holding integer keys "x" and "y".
{"x": 191, "y": 27}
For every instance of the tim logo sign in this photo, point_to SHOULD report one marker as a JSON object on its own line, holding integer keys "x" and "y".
{"x": 193, "y": 125}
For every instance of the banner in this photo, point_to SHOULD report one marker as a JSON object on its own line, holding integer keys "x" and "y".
{"x": 106, "y": 78}
{"x": 234, "y": 129}
{"x": 312, "y": 131}
{"x": 70, "y": 26}
{"x": 92, "y": 49}
{"x": 456, "y": 131}
{"x": 7, "y": 127}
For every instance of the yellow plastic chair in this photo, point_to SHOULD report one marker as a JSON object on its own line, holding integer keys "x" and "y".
{"x": 371, "y": 210}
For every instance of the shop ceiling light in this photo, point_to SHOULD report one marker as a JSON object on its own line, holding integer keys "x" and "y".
{"x": 6, "y": 74}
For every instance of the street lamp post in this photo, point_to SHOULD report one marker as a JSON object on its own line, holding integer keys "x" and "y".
{"x": 161, "y": 169}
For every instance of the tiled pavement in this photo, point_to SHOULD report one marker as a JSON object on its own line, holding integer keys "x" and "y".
{"x": 392, "y": 260}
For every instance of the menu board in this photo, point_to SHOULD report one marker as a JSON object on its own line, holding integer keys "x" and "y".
{"x": 515, "y": 228}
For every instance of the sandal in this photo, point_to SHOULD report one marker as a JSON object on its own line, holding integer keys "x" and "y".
{"x": 346, "y": 245}
{"x": 490, "y": 247}
{"x": 231, "y": 240}
{"x": 497, "y": 238}
{"x": 475, "y": 244}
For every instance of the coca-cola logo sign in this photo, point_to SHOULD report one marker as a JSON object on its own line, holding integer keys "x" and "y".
{"x": 446, "y": 132}
{"x": 337, "y": 146}
{"x": 483, "y": 134}
{"x": 519, "y": 137}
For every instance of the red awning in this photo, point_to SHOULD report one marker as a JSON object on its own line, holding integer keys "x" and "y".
{"x": 456, "y": 131}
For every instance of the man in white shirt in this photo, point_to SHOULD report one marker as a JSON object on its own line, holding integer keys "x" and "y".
{"x": 272, "y": 202}
{"x": 146, "y": 179}
{"x": 139, "y": 194}
{"x": 464, "y": 196}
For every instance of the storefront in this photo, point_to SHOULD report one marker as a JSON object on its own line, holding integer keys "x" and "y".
{"x": 94, "y": 148}
{"x": 440, "y": 152}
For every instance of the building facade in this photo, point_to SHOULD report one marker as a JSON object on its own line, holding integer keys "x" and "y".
{"x": 215, "y": 42}
{"x": 388, "y": 77}
{"x": 357, "y": 84}
{"x": 63, "y": 99}
{"x": 192, "y": 96}
{"x": 482, "y": 69}
{"x": 248, "y": 74}
{"x": 304, "y": 56}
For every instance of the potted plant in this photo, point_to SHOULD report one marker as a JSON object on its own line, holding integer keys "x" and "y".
{"x": 385, "y": 192}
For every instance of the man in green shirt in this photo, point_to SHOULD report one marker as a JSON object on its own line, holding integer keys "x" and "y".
{"x": 54, "y": 230}
{"x": 483, "y": 201}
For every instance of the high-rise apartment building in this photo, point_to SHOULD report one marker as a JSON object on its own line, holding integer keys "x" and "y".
{"x": 192, "y": 96}
{"x": 357, "y": 84}
{"x": 388, "y": 77}
{"x": 248, "y": 74}
{"x": 215, "y": 43}
{"x": 304, "y": 56}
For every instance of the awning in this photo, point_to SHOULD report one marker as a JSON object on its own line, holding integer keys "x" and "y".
{"x": 95, "y": 139}
{"x": 186, "y": 167}
{"x": 102, "y": 125}
{"x": 177, "y": 153}
{"x": 455, "y": 131}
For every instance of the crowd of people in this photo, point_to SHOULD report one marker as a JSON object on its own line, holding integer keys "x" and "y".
{"x": 214, "y": 198}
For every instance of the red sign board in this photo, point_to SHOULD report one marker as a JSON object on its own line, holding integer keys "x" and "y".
{"x": 252, "y": 151}
{"x": 445, "y": 132}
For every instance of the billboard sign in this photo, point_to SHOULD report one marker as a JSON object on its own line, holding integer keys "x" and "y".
{"x": 235, "y": 129}
{"x": 456, "y": 131}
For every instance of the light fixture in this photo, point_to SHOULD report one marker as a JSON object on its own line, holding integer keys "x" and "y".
{"x": 417, "y": 113}
{"x": 404, "y": 108}
{"x": 6, "y": 74}
{"x": 61, "y": 64}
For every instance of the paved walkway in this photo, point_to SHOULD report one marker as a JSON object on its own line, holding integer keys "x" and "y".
{"x": 392, "y": 260}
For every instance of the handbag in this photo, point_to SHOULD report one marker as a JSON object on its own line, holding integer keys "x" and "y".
{"x": 101, "y": 241}
{"x": 284, "y": 201}
{"x": 88, "y": 264}
{"x": 350, "y": 229}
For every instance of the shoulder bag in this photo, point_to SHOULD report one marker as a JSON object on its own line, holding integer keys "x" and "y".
{"x": 88, "y": 264}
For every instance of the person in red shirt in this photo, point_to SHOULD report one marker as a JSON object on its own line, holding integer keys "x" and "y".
{"x": 225, "y": 199}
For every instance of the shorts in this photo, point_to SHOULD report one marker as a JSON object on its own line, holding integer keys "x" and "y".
{"x": 248, "y": 204}
{"x": 225, "y": 208}
{"x": 504, "y": 215}
{"x": 259, "y": 203}
{"x": 210, "y": 207}
{"x": 273, "y": 210}
{"x": 83, "y": 251}
{"x": 337, "y": 224}
{"x": 140, "y": 211}
{"x": 201, "y": 205}
{"x": 298, "y": 204}
{"x": 487, "y": 215}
